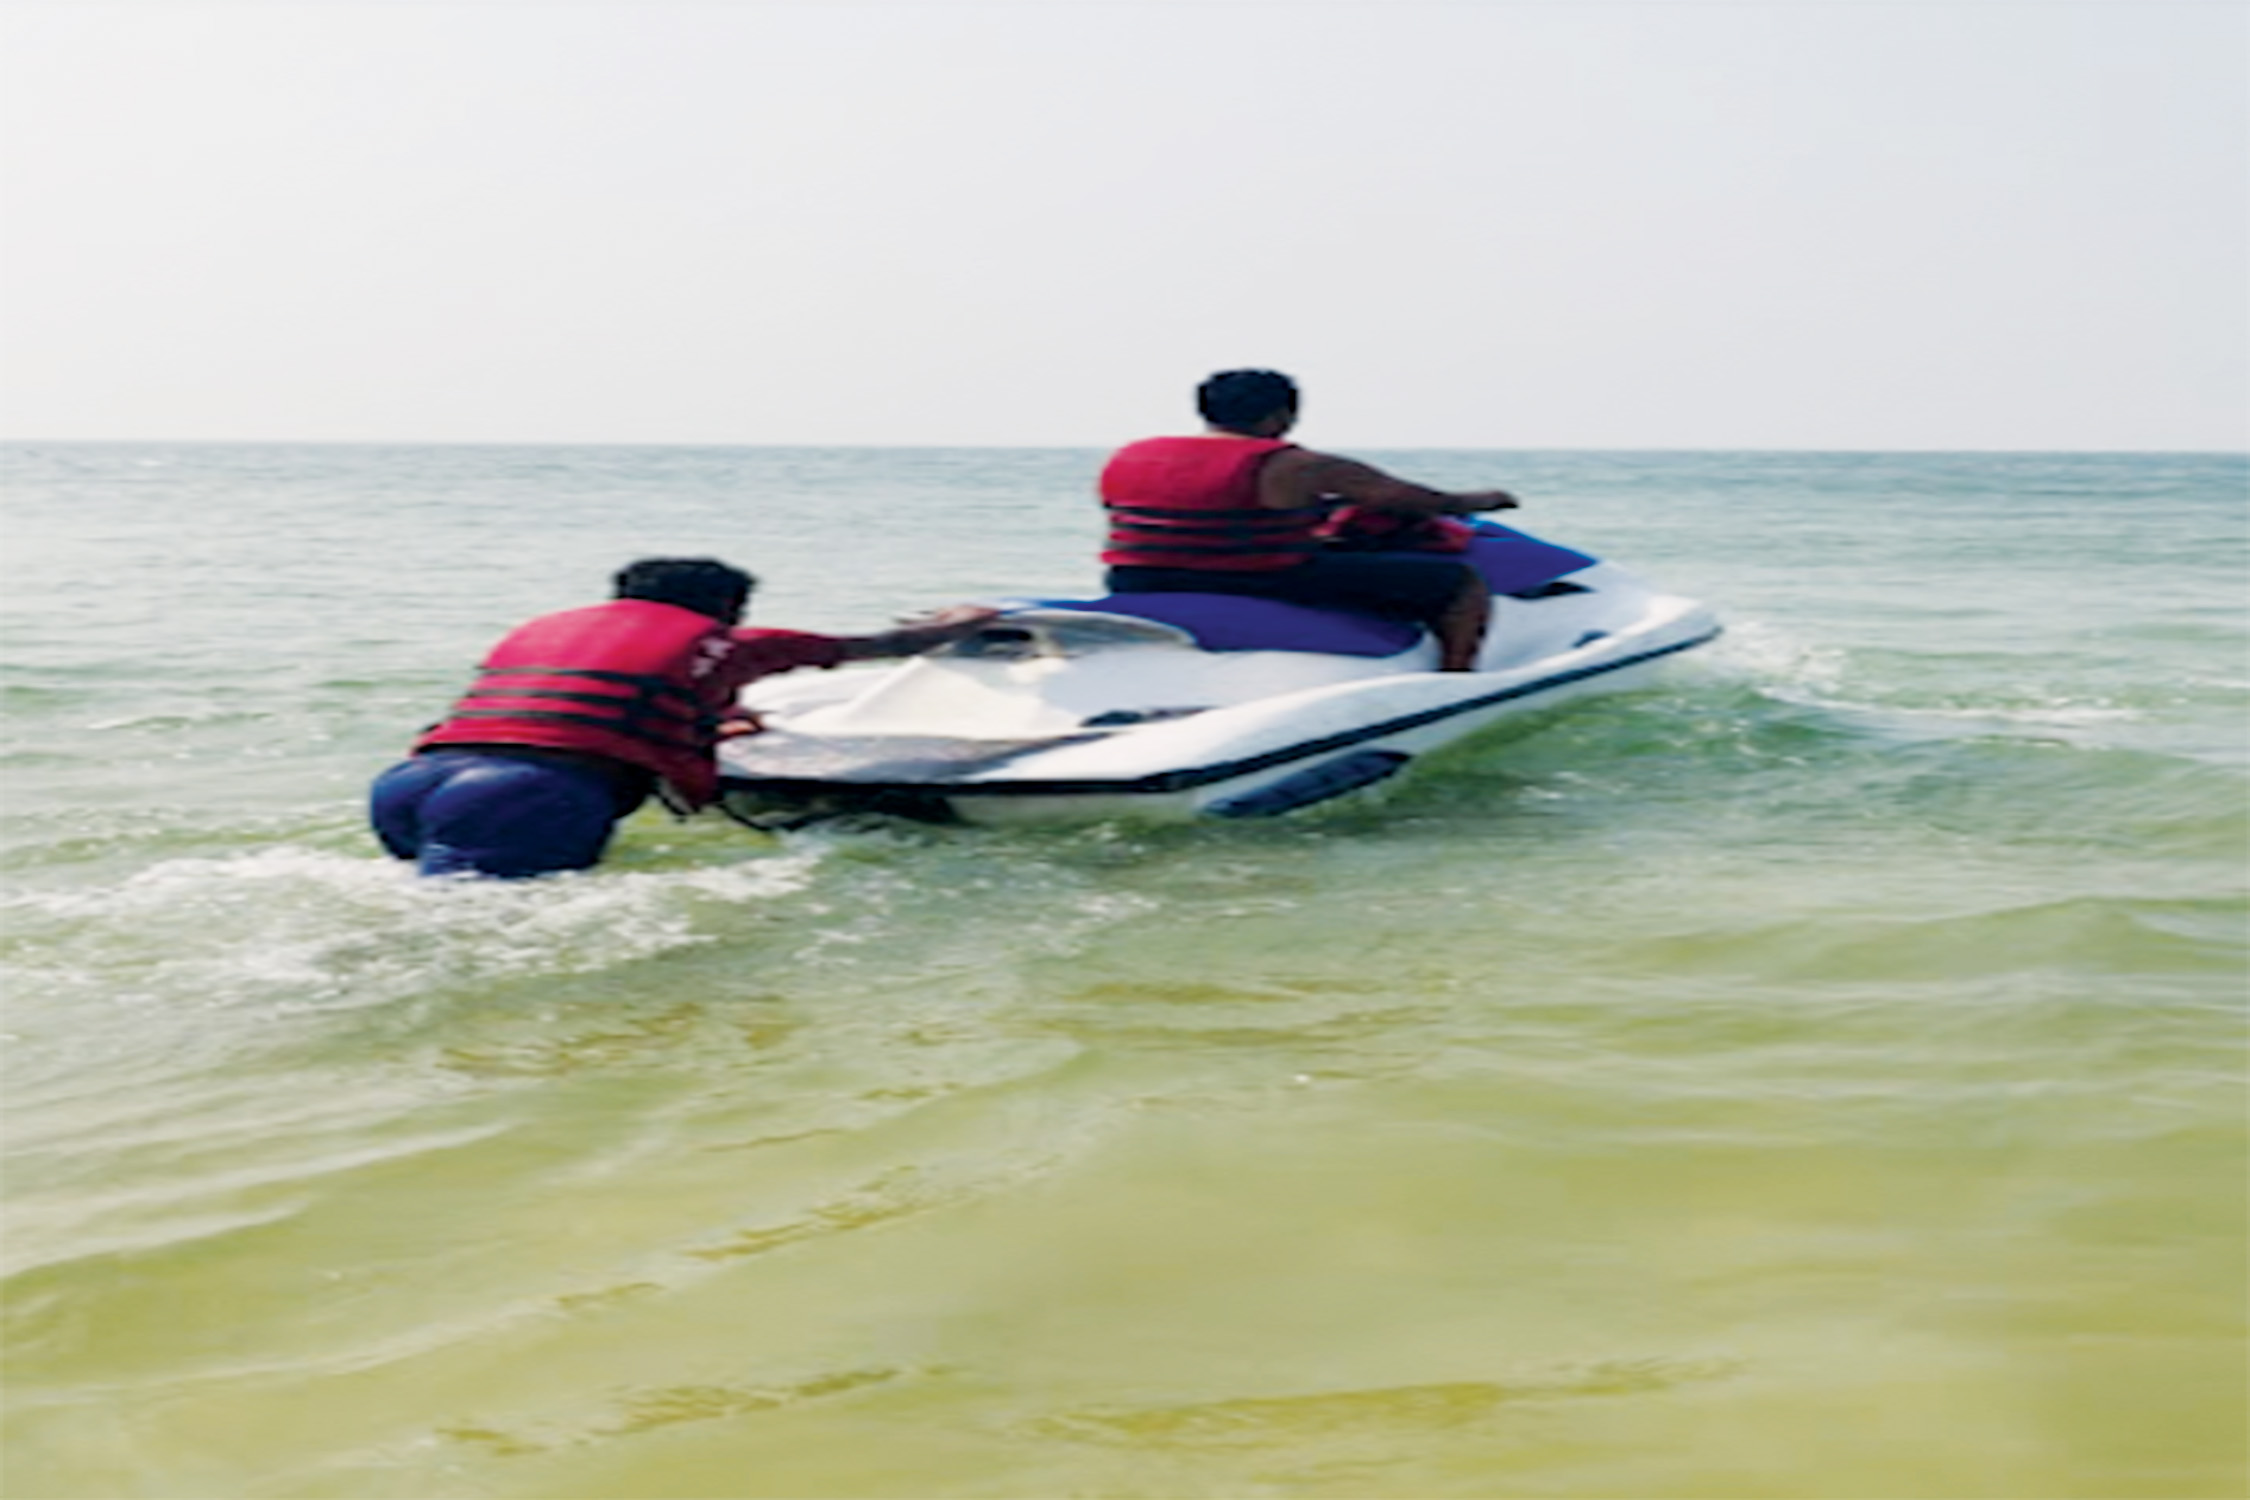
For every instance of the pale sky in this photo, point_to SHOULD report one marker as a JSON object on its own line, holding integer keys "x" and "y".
{"x": 1571, "y": 224}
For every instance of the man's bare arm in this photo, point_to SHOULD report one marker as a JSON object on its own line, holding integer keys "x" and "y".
{"x": 933, "y": 630}
{"x": 1300, "y": 477}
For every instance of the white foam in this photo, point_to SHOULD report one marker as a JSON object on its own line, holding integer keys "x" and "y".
{"x": 1777, "y": 658}
{"x": 288, "y": 929}
{"x": 1797, "y": 671}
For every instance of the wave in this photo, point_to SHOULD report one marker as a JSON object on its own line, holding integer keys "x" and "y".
{"x": 205, "y": 957}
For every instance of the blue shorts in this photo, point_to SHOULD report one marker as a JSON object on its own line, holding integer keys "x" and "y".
{"x": 465, "y": 812}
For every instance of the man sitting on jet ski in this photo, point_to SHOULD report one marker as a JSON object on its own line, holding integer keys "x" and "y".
{"x": 1238, "y": 510}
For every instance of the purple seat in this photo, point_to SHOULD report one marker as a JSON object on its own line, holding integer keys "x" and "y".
{"x": 1237, "y": 622}
{"x": 1510, "y": 561}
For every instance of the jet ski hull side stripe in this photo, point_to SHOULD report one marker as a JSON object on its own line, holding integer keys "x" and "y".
{"x": 1331, "y": 778}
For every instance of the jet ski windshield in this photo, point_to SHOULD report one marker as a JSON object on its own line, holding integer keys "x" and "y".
{"x": 1025, "y": 634}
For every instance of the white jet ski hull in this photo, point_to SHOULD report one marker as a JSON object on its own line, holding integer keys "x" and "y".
{"x": 1071, "y": 713}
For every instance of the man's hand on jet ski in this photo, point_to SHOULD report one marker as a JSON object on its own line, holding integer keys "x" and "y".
{"x": 952, "y": 615}
{"x": 922, "y": 632}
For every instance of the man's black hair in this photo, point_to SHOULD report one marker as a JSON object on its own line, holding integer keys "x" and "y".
{"x": 703, "y": 584}
{"x": 1238, "y": 399}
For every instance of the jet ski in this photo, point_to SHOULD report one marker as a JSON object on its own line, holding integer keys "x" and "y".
{"x": 1190, "y": 706}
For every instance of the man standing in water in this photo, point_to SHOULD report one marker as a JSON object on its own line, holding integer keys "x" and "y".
{"x": 1239, "y": 510}
{"x": 575, "y": 718}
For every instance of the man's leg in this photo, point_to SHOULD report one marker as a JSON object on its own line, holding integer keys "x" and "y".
{"x": 1460, "y": 630}
{"x": 1446, "y": 596}
{"x": 394, "y": 804}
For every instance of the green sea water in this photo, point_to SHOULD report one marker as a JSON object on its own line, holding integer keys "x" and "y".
{"x": 1819, "y": 1076}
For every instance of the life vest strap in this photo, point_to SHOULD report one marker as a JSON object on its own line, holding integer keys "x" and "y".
{"x": 649, "y": 684}
{"x": 1255, "y": 515}
{"x": 1169, "y": 539}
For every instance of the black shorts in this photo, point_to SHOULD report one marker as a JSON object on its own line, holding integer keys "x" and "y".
{"x": 1394, "y": 585}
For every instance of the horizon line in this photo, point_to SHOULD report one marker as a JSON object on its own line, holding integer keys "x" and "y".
{"x": 949, "y": 447}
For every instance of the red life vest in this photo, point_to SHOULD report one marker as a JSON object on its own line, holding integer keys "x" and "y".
{"x": 632, "y": 680}
{"x": 1192, "y": 502}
